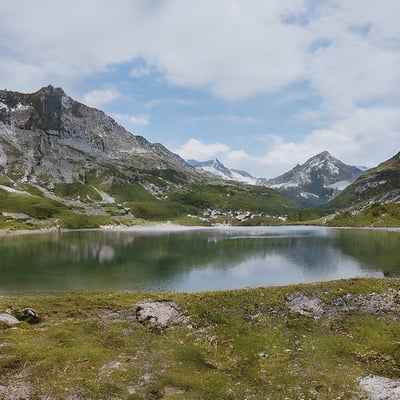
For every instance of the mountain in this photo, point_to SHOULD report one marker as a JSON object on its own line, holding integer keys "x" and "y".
{"x": 48, "y": 133}
{"x": 316, "y": 181}
{"x": 378, "y": 185}
{"x": 64, "y": 160}
{"x": 216, "y": 168}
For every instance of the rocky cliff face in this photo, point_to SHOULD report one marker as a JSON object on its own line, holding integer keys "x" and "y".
{"x": 48, "y": 137}
{"x": 316, "y": 181}
{"x": 377, "y": 185}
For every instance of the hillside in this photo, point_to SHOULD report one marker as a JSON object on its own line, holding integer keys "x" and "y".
{"x": 378, "y": 185}
{"x": 372, "y": 200}
{"x": 63, "y": 160}
{"x": 316, "y": 181}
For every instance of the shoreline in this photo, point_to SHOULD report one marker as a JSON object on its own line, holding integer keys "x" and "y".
{"x": 170, "y": 227}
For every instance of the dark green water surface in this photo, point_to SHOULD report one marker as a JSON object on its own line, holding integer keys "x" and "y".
{"x": 193, "y": 259}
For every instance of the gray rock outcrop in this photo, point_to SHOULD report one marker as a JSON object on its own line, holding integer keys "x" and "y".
{"x": 159, "y": 313}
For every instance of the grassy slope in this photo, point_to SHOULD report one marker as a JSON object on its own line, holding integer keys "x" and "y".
{"x": 175, "y": 205}
{"x": 239, "y": 344}
{"x": 377, "y": 215}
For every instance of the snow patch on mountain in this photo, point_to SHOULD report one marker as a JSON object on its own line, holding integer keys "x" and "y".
{"x": 341, "y": 185}
{"x": 217, "y": 168}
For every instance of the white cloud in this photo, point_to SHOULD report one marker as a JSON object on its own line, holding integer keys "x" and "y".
{"x": 360, "y": 58}
{"x": 197, "y": 150}
{"x": 132, "y": 120}
{"x": 235, "y": 49}
{"x": 231, "y": 48}
{"x": 98, "y": 98}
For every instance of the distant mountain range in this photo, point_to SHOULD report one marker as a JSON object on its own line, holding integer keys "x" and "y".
{"x": 64, "y": 160}
{"x": 311, "y": 184}
{"x": 215, "y": 167}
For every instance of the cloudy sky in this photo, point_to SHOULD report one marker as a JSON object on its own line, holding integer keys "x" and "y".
{"x": 259, "y": 84}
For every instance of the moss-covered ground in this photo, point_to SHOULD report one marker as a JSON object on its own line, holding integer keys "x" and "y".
{"x": 241, "y": 344}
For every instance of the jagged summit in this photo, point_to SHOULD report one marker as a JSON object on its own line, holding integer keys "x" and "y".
{"x": 316, "y": 181}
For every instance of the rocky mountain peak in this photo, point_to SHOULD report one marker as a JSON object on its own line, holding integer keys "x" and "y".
{"x": 323, "y": 154}
{"x": 316, "y": 181}
{"x": 49, "y": 133}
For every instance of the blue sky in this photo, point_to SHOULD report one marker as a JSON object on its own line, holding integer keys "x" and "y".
{"x": 260, "y": 84}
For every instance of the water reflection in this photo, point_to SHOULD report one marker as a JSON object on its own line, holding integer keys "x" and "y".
{"x": 201, "y": 259}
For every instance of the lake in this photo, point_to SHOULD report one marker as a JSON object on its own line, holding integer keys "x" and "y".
{"x": 193, "y": 259}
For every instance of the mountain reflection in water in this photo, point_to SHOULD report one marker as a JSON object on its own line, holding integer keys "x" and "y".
{"x": 193, "y": 260}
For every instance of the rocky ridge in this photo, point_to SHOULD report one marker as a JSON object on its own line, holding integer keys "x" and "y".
{"x": 378, "y": 185}
{"x": 48, "y": 135}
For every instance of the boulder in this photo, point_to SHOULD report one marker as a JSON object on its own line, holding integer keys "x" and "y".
{"x": 29, "y": 315}
{"x": 305, "y": 304}
{"x": 8, "y": 319}
{"x": 159, "y": 313}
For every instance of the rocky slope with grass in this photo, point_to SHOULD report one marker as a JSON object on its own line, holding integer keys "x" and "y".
{"x": 332, "y": 340}
{"x": 377, "y": 185}
{"x": 48, "y": 137}
{"x": 373, "y": 199}
{"x": 60, "y": 158}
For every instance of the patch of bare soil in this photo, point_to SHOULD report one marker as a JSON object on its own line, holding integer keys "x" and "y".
{"x": 310, "y": 305}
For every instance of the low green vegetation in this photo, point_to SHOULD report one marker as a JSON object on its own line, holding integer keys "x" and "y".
{"x": 234, "y": 197}
{"x": 377, "y": 215}
{"x": 72, "y": 220}
{"x": 129, "y": 192}
{"x": 197, "y": 198}
{"x": 77, "y": 190}
{"x": 32, "y": 205}
{"x": 241, "y": 344}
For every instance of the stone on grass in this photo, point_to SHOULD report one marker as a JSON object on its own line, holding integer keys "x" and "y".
{"x": 159, "y": 313}
{"x": 8, "y": 319}
{"x": 307, "y": 305}
{"x": 380, "y": 388}
{"x": 29, "y": 315}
